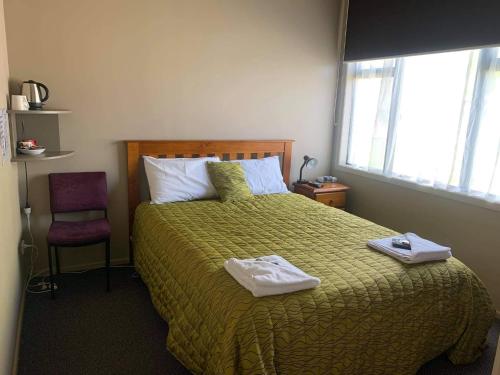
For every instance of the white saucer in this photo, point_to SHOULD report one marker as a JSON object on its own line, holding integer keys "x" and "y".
{"x": 35, "y": 151}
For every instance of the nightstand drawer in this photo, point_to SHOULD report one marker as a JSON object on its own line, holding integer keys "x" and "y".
{"x": 333, "y": 195}
{"x": 336, "y": 199}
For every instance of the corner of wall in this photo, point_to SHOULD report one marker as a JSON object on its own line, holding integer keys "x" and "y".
{"x": 11, "y": 292}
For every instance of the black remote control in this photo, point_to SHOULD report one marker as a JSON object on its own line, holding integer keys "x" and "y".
{"x": 401, "y": 243}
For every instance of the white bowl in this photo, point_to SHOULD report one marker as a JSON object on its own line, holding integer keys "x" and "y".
{"x": 33, "y": 151}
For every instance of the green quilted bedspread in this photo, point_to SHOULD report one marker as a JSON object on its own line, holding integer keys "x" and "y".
{"x": 370, "y": 315}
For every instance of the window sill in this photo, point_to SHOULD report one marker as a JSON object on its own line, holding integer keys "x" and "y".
{"x": 456, "y": 196}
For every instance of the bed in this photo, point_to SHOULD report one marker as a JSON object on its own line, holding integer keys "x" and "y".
{"x": 370, "y": 315}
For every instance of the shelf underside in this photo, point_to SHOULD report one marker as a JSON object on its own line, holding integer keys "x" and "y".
{"x": 39, "y": 112}
{"x": 47, "y": 155}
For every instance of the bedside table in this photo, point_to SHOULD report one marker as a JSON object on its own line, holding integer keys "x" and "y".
{"x": 333, "y": 194}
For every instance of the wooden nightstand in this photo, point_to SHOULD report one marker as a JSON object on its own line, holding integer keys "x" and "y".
{"x": 333, "y": 194}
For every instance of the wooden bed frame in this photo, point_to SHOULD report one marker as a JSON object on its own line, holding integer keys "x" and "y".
{"x": 226, "y": 150}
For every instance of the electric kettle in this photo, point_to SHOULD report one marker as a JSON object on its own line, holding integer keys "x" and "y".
{"x": 32, "y": 91}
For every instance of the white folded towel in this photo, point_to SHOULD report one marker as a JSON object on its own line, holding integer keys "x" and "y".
{"x": 422, "y": 250}
{"x": 269, "y": 275}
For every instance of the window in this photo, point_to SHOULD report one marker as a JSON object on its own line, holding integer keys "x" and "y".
{"x": 430, "y": 119}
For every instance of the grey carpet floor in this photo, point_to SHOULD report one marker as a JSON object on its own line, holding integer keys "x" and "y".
{"x": 88, "y": 331}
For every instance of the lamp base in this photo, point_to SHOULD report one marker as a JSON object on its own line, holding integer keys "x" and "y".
{"x": 298, "y": 182}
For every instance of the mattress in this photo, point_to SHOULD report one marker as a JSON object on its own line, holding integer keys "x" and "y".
{"x": 370, "y": 315}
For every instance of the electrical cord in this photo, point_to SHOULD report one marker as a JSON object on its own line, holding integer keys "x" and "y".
{"x": 27, "y": 204}
{"x": 45, "y": 283}
{"x": 34, "y": 251}
{"x": 31, "y": 245}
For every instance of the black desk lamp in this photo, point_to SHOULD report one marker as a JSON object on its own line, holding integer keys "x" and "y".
{"x": 309, "y": 163}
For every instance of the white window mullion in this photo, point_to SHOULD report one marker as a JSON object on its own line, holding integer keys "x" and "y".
{"x": 486, "y": 58}
{"x": 351, "y": 73}
{"x": 391, "y": 129}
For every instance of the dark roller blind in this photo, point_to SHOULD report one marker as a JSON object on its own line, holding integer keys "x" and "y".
{"x": 384, "y": 28}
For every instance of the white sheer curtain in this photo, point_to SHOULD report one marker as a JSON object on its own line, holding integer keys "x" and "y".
{"x": 485, "y": 169}
{"x": 433, "y": 114}
{"x": 371, "y": 84}
{"x": 433, "y": 120}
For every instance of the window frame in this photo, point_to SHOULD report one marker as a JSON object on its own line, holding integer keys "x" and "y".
{"x": 343, "y": 123}
{"x": 486, "y": 57}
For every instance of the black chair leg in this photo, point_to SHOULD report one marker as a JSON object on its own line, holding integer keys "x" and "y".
{"x": 107, "y": 265}
{"x": 51, "y": 277}
{"x": 58, "y": 268}
{"x": 130, "y": 251}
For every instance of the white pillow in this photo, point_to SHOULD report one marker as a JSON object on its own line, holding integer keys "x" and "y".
{"x": 173, "y": 180}
{"x": 263, "y": 175}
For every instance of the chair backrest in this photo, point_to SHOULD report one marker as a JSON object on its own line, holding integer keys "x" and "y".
{"x": 80, "y": 191}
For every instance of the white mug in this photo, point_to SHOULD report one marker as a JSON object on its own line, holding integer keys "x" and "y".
{"x": 19, "y": 103}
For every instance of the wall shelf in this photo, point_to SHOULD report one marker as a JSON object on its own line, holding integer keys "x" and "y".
{"x": 47, "y": 155}
{"x": 39, "y": 112}
{"x": 37, "y": 125}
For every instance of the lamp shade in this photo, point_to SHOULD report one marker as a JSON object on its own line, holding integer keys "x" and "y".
{"x": 310, "y": 163}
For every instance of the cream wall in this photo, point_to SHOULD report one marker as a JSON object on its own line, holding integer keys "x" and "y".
{"x": 473, "y": 232}
{"x": 169, "y": 69}
{"x": 10, "y": 232}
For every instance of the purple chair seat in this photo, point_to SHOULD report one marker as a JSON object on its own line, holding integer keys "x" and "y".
{"x": 78, "y": 233}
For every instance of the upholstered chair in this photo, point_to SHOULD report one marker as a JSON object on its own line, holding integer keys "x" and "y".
{"x": 77, "y": 192}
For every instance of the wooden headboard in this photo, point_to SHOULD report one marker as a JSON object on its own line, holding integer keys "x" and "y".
{"x": 226, "y": 150}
